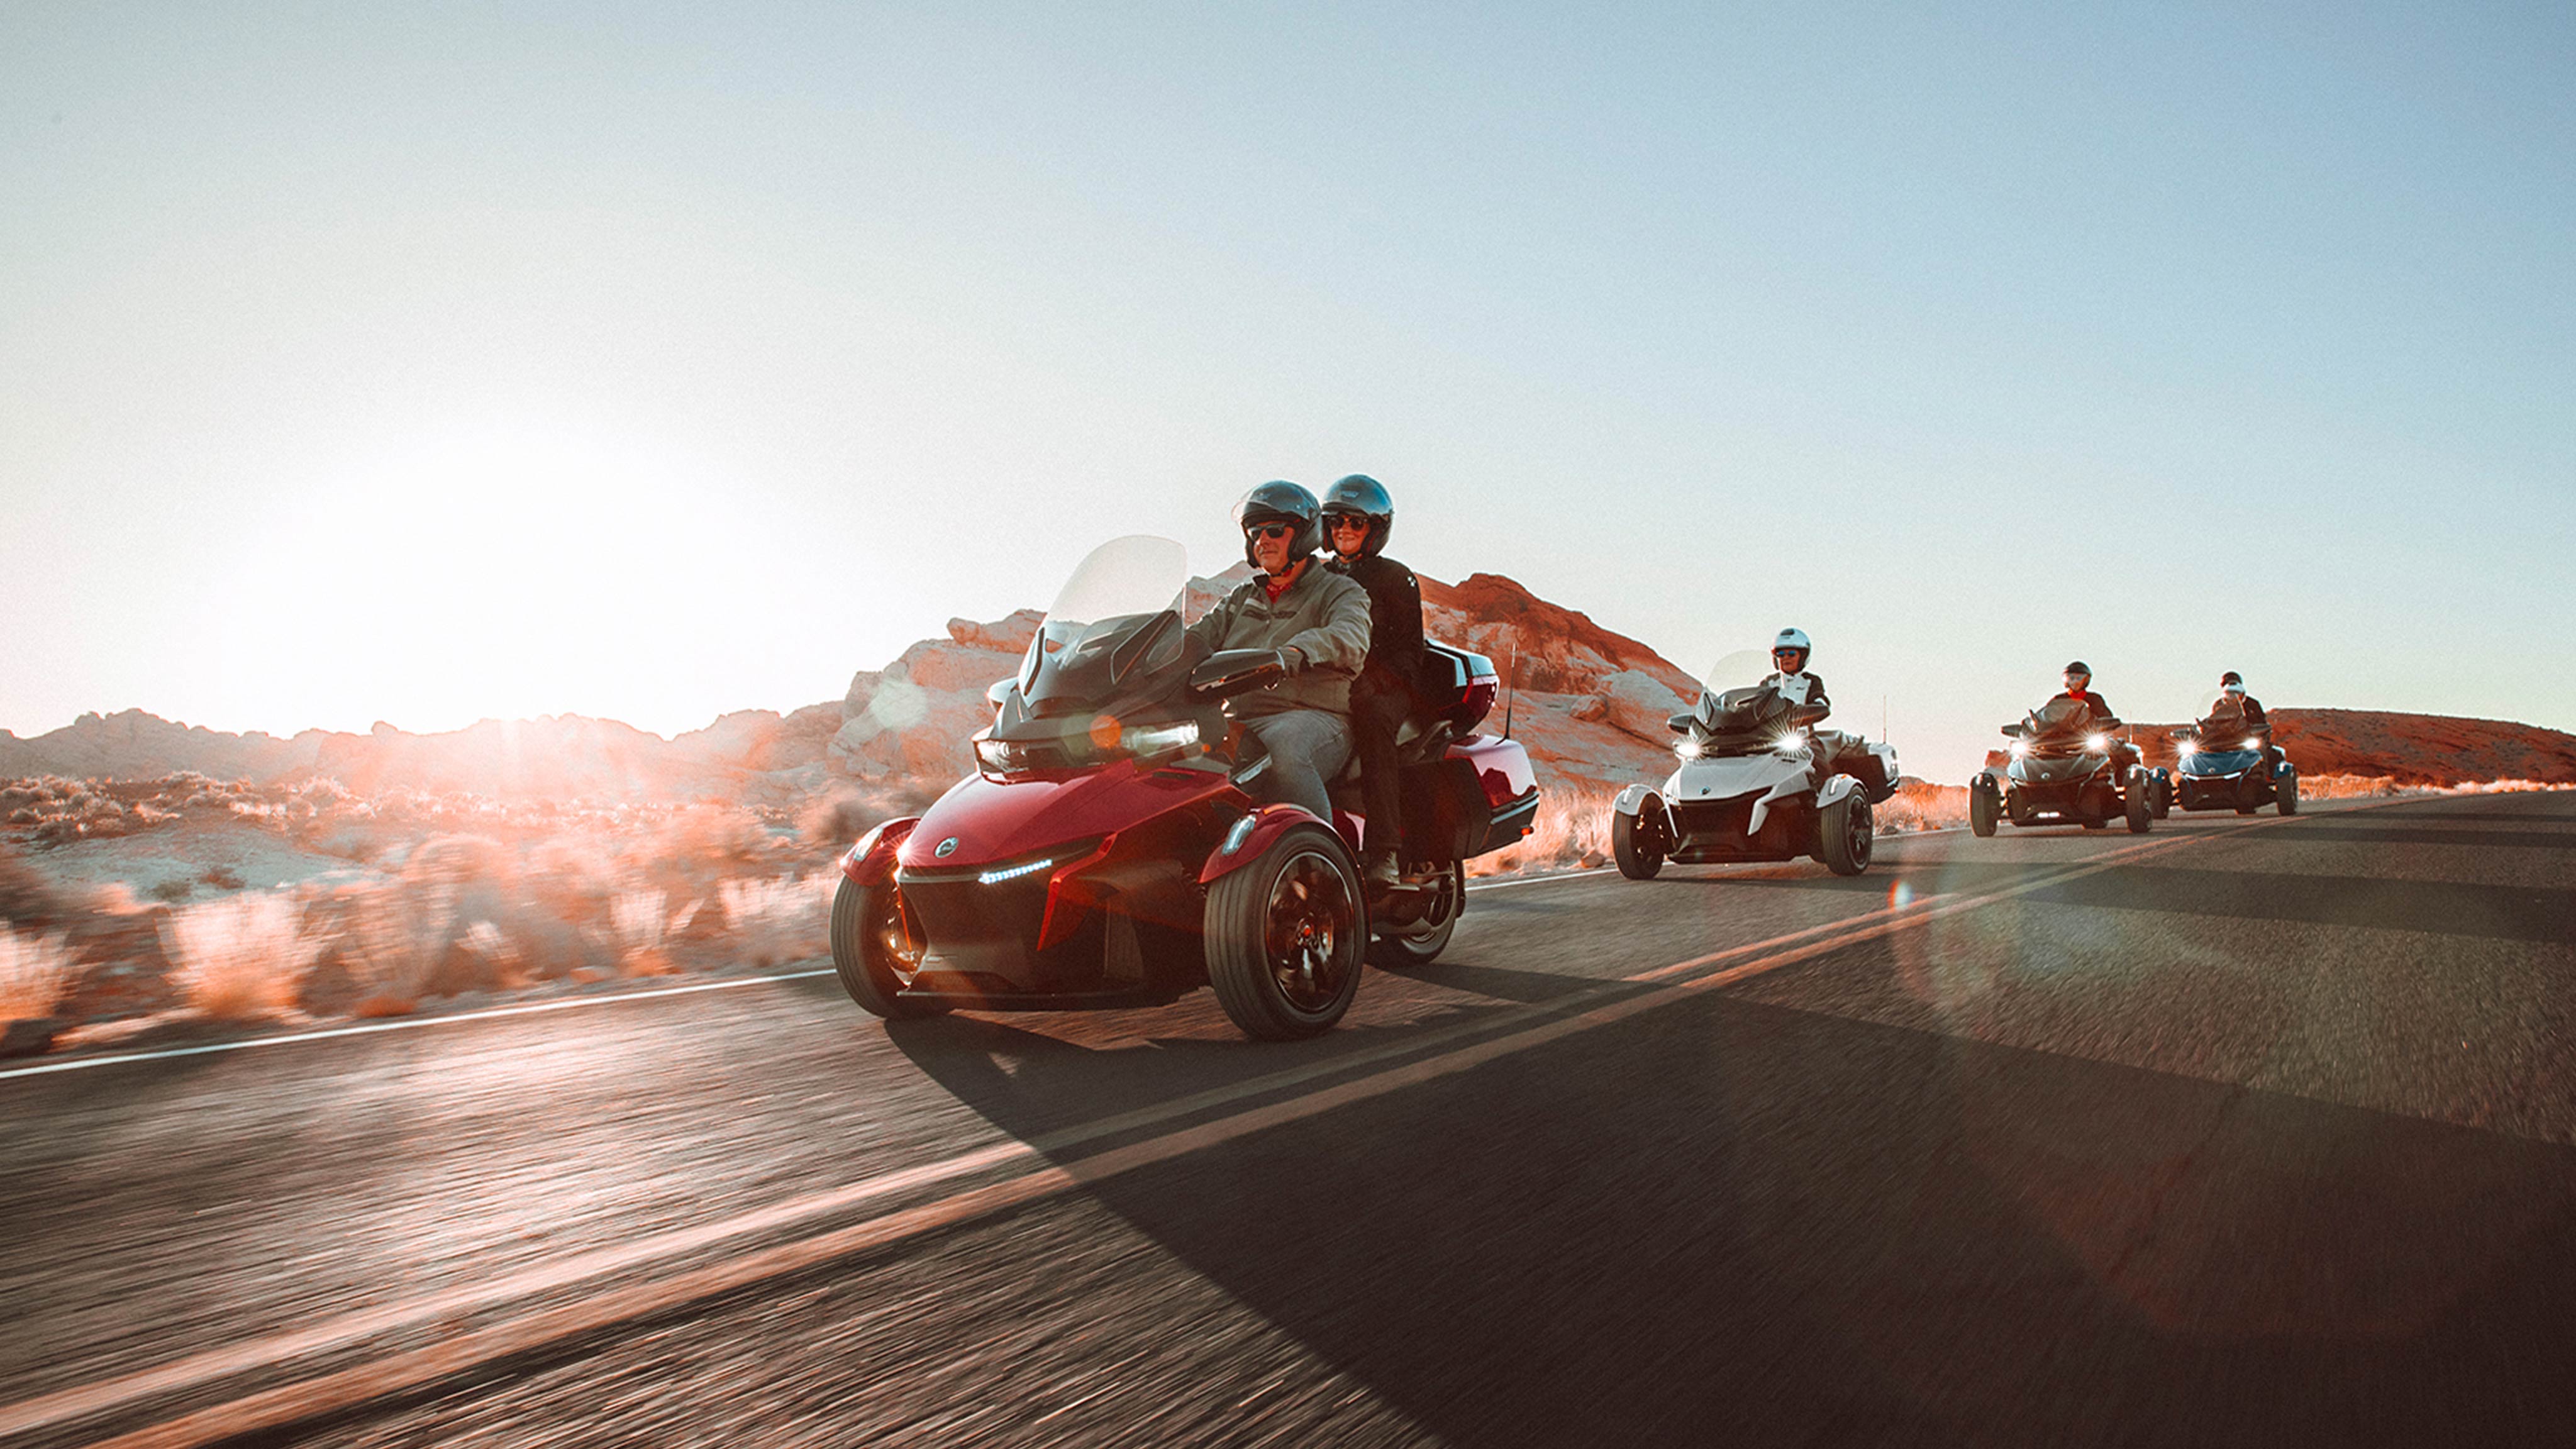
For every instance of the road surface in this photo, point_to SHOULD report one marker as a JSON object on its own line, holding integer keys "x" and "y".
{"x": 2241, "y": 1132}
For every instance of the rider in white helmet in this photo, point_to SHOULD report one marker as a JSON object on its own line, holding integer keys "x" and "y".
{"x": 1790, "y": 675}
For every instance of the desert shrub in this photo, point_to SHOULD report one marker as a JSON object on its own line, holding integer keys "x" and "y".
{"x": 776, "y": 920}
{"x": 2346, "y": 787}
{"x": 25, "y": 895}
{"x": 174, "y": 891}
{"x": 639, "y": 922}
{"x": 398, "y": 935}
{"x": 836, "y": 820}
{"x": 241, "y": 958}
{"x": 34, "y": 973}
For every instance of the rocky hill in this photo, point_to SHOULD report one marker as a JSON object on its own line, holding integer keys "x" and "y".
{"x": 1590, "y": 703}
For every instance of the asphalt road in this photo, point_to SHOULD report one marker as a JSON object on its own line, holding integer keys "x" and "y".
{"x": 2243, "y": 1132}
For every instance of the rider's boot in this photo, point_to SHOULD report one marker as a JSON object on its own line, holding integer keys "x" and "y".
{"x": 1380, "y": 873}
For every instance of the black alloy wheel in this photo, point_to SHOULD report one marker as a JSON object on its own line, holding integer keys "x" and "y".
{"x": 876, "y": 950}
{"x": 1285, "y": 937}
{"x": 1636, "y": 844}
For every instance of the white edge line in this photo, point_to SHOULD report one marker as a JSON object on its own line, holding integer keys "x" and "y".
{"x": 531, "y": 1008}
{"x": 368, "y": 1028}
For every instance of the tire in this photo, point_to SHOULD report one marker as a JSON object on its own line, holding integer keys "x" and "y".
{"x": 1983, "y": 807}
{"x": 1846, "y": 832}
{"x": 864, "y": 922}
{"x": 2164, "y": 797}
{"x": 1411, "y": 947}
{"x": 1286, "y": 935}
{"x": 1638, "y": 849}
{"x": 2285, "y": 795}
{"x": 2140, "y": 804}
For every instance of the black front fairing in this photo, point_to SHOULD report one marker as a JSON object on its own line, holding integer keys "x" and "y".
{"x": 1747, "y": 721}
{"x": 1083, "y": 687}
{"x": 2053, "y": 748}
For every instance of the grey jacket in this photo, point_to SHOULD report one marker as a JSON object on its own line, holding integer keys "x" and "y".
{"x": 1323, "y": 616}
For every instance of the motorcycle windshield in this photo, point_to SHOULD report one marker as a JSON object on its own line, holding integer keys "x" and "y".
{"x": 1733, "y": 695}
{"x": 1119, "y": 612}
{"x": 2060, "y": 716}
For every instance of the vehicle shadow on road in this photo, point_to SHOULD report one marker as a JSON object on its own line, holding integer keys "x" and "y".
{"x": 1726, "y": 1219}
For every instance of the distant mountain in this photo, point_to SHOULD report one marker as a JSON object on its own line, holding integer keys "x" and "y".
{"x": 2410, "y": 749}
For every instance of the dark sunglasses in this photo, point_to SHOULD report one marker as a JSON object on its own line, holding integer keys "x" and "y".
{"x": 1269, "y": 530}
{"x": 1339, "y": 521}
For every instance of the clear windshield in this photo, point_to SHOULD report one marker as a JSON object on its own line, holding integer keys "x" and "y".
{"x": 2061, "y": 714}
{"x": 1736, "y": 670}
{"x": 1117, "y": 587}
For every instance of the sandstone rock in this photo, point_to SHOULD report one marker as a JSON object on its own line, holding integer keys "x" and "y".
{"x": 30, "y": 1038}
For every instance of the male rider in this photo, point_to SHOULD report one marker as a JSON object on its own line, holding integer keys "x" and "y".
{"x": 1318, "y": 621}
{"x": 1358, "y": 516}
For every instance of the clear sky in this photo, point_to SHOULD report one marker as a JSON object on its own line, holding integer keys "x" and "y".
{"x": 427, "y": 363}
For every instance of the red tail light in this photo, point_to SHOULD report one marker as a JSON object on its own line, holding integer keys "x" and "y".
{"x": 1475, "y": 703}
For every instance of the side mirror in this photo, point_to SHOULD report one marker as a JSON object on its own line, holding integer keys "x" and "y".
{"x": 1679, "y": 724}
{"x": 998, "y": 691}
{"x": 2012, "y": 731}
{"x": 1231, "y": 672}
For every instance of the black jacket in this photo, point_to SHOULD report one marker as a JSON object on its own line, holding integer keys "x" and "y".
{"x": 1395, "y": 618}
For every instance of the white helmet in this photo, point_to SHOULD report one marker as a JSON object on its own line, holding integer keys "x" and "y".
{"x": 1793, "y": 639}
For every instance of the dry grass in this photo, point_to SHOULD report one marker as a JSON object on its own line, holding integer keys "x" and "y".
{"x": 1920, "y": 805}
{"x": 640, "y": 923}
{"x": 782, "y": 919}
{"x": 34, "y": 972}
{"x": 240, "y": 959}
{"x": 1572, "y": 831}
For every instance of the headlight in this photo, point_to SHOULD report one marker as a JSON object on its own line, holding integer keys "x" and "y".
{"x": 2021, "y": 749}
{"x": 1790, "y": 743}
{"x": 2097, "y": 744}
{"x": 1001, "y": 757}
{"x": 2251, "y": 745}
{"x": 2183, "y": 749}
{"x": 1160, "y": 739}
{"x": 1689, "y": 749}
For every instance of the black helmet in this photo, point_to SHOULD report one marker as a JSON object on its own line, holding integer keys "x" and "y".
{"x": 1367, "y": 497}
{"x": 2078, "y": 667}
{"x": 1280, "y": 501}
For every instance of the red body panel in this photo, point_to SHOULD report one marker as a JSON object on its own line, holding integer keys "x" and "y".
{"x": 871, "y": 861}
{"x": 1269, "y": 823}
{"x": 994, "y": 821}
{"x": 1501, "y": 765}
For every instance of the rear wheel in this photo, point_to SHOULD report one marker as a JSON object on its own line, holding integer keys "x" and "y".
{"x": 2285, "y": 795}
{"x": 2141, "y": 805}
{"x": 1636, "y": 845}
{"x": 876, "y": 949}
{"x": 1421, "y": 942}
{"x": 1285, "y": 936}
{"x": 1983, "y": 806}
{"x": 1846, "y": 832}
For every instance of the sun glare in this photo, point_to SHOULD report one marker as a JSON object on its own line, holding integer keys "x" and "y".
{"x": 490, "y": 576}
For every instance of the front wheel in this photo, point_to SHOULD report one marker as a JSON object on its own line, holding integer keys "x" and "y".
{"x": 1285, "y": 936}
{"x": 2141, "y": 805}
{"x": 2285, "y": 795}
{"x": 1983, "y": 806}
{"x": 1637, "y": 846}
{"x": 1420, "y": 943}
{"x": 1846, "y": 832}
{"x": 2164, "y": 793}
{"x": 876, "y": 949}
